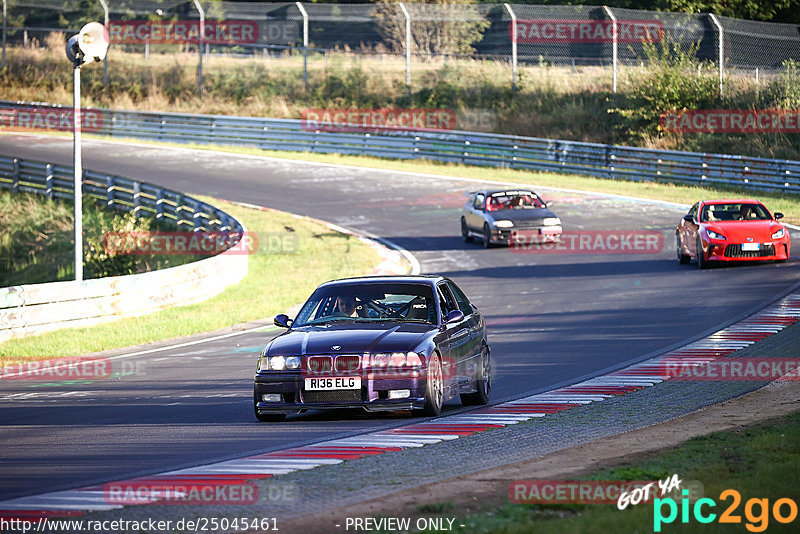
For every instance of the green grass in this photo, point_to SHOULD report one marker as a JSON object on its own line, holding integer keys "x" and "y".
{"x": 36, "y": 245}
{"x": 789, "y": 205}
{"x": 36, "y": 241}
{"x": 762, "y": 461}
{"x": 275, "y": 282}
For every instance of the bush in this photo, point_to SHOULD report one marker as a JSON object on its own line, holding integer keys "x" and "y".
{"x": 36, "y": 244}
{"x": 674, "y": 80}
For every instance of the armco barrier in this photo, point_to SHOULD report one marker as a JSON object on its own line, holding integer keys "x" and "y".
{"x": 605, "y": 161}
{"x": 36, "y": 308}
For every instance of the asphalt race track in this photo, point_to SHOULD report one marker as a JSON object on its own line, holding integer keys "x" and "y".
{"x": 552, "y": 318}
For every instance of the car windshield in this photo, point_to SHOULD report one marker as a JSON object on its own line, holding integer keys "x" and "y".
{"x": 510, "y": 200}
{"x": 734, "y": 211}
{"x": 369, "y": 302}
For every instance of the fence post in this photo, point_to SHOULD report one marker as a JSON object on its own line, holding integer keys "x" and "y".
{"x": 513, "y": 46}
{"x": 137, "y": 198}
{"x": 15, "y": 177}
{"x": 305, "y": 44}
{"x": 48, "y": 181}
{"x": 110, "y": 192}
{"x": 614, "y": 45}
{"x": 200, "y": 46}
{"x": 105, "y": 59}
{"x": 159, "y": 204}
{"x": 721, "y": 59}
{"x": 408, "y": 44}
{"x": 179, "y": 211}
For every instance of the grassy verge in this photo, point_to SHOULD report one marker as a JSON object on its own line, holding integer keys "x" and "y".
{"x": 761, "y": 461}
{"x": 274, "y": 283}
{"x": 789, "y": 205}
{"x": 555, "y": 102}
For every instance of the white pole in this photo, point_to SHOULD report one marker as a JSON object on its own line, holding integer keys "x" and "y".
{"x": 5, "y": 7}
{"x": 721, "y": 59}
{"x": 305, "y": 44}
{"x": 105, "y": 59}
{"x": 408, "y": 44}
{"x": 201, "y": 38}
{"x": 614, "y": 45}
{"x": 513, "y": 45}
{"x": 78, "y": 171}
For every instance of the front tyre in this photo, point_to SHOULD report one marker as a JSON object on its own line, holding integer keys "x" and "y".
{"x": 702, "y": 261}
{"x": 465, "y": 231}
{"x": 683, "y": 259}
{"x": 487, "y": 236}
{"x": 434, "y": 391}
{"x": 483, "y": 382}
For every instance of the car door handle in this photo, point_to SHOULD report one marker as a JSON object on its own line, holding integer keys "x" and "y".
{"x": 460, "y": 333}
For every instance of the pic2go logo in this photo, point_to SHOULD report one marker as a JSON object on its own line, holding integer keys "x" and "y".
{"x": 756, "y": 511}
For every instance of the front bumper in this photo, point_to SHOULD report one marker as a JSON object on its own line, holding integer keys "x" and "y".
{"x": 542, "y": 234}
{"x": 372, "y": 396}
{"x": 731, "y": 252}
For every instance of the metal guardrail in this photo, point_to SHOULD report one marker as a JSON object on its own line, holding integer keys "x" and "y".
{"x": 143, "y": 199}
{"x": 36, "y": 308}
{"x": 516, "y": 152}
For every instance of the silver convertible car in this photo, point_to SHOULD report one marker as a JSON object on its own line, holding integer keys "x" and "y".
{"x": 377, "y": 343}
{"x": 507, "y": 216}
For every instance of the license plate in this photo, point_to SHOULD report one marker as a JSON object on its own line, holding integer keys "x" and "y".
{"x": 751, "y": 246}
{"x": 330, "y": 383}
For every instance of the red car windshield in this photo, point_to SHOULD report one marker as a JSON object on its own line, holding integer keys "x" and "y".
{"x": 734, "y": 211}
{"x": 513, "y": 200}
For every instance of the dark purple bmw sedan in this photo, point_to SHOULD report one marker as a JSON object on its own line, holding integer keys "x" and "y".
{"x": 378, "y": 343}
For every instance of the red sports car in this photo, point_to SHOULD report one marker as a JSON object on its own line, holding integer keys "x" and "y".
{"x": 731, "y": 230}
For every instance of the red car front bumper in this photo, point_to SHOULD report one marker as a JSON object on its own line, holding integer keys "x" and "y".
{"x": 732, "y": 252}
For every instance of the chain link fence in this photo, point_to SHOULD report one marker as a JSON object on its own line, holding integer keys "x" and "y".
{"x": 412, "y": 37}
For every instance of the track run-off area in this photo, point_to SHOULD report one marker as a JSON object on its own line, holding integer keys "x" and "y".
{"x": 552, "y": 319}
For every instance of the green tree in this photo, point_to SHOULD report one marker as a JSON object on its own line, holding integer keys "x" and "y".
{"x": 443, "y": 27}
{"x": 766, "y": 10}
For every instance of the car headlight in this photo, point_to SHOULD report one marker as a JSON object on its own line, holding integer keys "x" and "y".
{"x": 715, "y": 235}
{"x": 551, "y": 221}
{"x": 395, "y": 359}
{"x": 279, "y": 363}
{"x": 779, "y": 234}
{"x": 504, "y": 224}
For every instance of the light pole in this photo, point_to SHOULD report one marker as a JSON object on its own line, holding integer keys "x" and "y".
{"x": 90, "y": 44}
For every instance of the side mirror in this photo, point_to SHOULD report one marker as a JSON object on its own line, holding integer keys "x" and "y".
{"x": 688, "y": 218}
{"x": 453, "y": 317}
{"x": 283, "y": 321}
{"x": 778, "y": 215}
